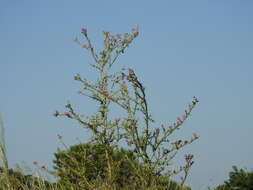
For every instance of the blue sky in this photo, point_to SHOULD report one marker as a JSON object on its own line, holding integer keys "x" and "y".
{"x": 185, "y": 48}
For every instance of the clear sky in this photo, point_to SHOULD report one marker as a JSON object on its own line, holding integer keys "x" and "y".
{"x": 185, "y": 48}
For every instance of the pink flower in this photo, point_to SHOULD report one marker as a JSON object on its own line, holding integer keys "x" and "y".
{"x": 103, "y": 89}
{"x": 188, "y": 158}
{"x": 136, "y": 33}
{"x": 67, "y": 114}
{"x": 84, "y": 31}
{"x": 90, "y": 156}
{"x": 170, "y": 127}
{"x": 179, "y": 119}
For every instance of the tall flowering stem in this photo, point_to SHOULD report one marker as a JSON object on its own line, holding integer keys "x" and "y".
{"x": 150, "y": 143}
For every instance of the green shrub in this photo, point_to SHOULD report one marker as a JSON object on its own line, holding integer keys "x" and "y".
{"x": 238, "y": 180}
{"x": 15, "y": 180}
{"x": 88, "y": 162}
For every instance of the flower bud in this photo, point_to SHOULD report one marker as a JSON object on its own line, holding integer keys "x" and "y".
{"x": 77, "y": 77}
{"x": 59, "y": 137}
{"x": 84, "y": 31}
{"x": 67, "y": 114}
{"x": 179, "y": 119}
{"x": 56, "y": 113}
{"x": 90, "y": 156}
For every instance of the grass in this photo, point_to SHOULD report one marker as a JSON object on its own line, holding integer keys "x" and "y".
{"x": 13, "y": 180}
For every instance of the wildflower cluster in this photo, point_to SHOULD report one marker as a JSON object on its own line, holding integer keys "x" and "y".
{"x": 149, "y": 142}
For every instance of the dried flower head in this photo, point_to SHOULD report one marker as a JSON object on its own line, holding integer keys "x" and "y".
{"x": 179, "y": 119}
{"x": 67, "y": 114}
{"x": 77, "y": 77}
{"x": 59, "y": 136}
{"x": 84, "y": 31}
{"x": 56, "y": 113}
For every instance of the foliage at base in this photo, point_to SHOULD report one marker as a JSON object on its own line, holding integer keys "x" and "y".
{"x": 84, "y": 166}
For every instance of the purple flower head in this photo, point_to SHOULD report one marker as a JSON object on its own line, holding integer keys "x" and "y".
{"x": 84, "y": 31}
{"x": 67, "y": 114}
{"x": 179, "y": 119}
{"x": 170, "y": 127}
{"x": 188, "y": 158}
{"x": 90, "y": 156}
{"x": 136, "y": 33}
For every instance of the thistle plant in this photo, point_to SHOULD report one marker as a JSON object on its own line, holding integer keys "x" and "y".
{"x": 150, "y": 143}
